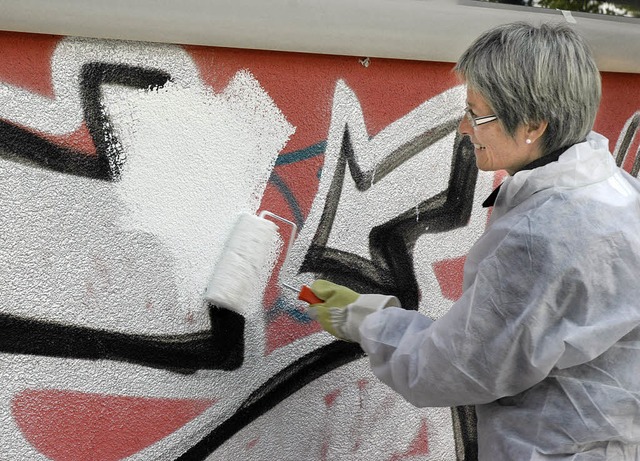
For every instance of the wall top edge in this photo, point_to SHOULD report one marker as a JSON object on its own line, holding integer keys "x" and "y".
{"x": 432, "y": 30}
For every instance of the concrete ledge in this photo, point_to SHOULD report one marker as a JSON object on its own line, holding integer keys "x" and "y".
{"x": 436, "y": 30}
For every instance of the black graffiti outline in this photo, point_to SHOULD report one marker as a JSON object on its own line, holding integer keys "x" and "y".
{"x": 274, "y": 391}
{"x": 629, "y": 131}
{"x": 390, "y": 269}
{"x": 185, "y": 353}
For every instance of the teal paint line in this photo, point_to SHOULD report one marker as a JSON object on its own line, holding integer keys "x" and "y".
{"x": 284, "y": 307}
{"x": 289, "y": 197}
{"x": 302, "y": 154}
{"x": 280, "y": 184}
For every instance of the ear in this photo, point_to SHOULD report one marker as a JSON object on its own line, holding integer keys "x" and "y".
{"x": 535, "y": 130}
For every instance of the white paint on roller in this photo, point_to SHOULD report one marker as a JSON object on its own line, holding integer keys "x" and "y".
{"x": 243, "y": 262}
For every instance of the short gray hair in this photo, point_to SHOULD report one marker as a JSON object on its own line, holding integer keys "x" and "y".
{"x": 533, "y": 73}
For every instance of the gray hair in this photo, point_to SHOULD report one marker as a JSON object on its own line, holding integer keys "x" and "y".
{"x": 530, "y": 74}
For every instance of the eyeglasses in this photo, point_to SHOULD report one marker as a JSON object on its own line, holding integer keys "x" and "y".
{"x": 477, "y": 121}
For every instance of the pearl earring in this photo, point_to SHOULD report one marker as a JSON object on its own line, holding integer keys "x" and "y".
{"x": 528, "y": 141}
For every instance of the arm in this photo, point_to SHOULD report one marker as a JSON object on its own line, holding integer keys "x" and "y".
{"x": 529, "y": 310}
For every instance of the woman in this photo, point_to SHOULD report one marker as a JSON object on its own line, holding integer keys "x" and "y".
{"x": 545, "y": 339}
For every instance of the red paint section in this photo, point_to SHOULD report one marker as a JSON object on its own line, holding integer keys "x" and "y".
{"x": 284, "y": 330}
{"x": 331, "y": 397}
{"x": 449, "y": 273}
{"x": 26, "y": 61}
{"x": 324, "y": 450}
{"x": 80, "y": 140}
{"x": 419, "y": 446}
{"x": 252, "y": 443}
{"x": 498, "y": 177}
{"x": 301, "y": 177}
{"x": 76, "y": 426}
{"x": 620, "y": 100}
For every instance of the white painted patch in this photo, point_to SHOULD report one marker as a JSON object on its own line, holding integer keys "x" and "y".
{"x": 195, "y": 160}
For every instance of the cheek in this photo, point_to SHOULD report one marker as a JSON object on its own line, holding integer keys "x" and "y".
{"x": 495, "y": 154}
{"x": 485, "y": 137}
{"x": 496, "y": 145}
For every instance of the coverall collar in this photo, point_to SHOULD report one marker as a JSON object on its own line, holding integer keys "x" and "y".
{"x": 544, "y": 160}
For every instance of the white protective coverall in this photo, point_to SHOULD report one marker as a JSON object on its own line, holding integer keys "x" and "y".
{"x": 545, "y": 339}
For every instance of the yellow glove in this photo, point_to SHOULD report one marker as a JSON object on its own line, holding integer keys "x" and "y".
{"x": 332, "y": 312}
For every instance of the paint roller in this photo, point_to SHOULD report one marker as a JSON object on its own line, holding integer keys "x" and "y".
{"x": 243, "y": 259}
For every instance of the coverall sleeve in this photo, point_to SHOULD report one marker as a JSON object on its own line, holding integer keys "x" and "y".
{"x": 534, "y": 305}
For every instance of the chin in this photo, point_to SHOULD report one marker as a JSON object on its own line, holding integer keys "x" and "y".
{"x": 483, "y": 166}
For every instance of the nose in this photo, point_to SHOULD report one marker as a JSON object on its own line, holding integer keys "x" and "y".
{"x": 464, "y": 127}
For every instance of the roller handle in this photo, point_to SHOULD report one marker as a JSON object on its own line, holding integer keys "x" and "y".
{"x": 308, "y": 296}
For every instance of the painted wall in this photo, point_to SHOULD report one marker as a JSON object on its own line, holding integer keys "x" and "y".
{"x": 123, "y": 166}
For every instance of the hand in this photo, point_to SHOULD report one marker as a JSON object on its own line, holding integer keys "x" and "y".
{"x": 332, "y": 312}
